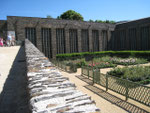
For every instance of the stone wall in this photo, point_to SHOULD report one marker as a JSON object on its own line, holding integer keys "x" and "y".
{"x": 133, "y": 35}
{"x": 49, "y": 91}
{"x": 18, "y": 24}
{"x": 3, "y": 29}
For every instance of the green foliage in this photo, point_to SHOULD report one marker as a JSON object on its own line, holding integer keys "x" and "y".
{"x": 138, "y": 74}
{"x": 72, "y": 67}
{"x": 71, "y": 15}
{"x": 80, "y": 64}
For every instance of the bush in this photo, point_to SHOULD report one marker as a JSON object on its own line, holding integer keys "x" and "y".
{"x": 80, "y": 64}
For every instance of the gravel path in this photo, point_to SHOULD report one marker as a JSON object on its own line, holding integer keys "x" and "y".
{"x": 13, "y": 95}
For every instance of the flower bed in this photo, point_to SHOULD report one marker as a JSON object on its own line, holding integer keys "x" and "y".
{"x": 101, "y": 64}
{"x": 106, "y": 62}
{"x": 138, "y": 74}
{"x": 128, "y": 61}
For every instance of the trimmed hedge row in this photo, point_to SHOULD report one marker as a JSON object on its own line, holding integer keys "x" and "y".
{"x": 103, "y": 53}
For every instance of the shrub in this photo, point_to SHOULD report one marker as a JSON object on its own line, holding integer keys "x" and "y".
{"x": 80, "y": 64}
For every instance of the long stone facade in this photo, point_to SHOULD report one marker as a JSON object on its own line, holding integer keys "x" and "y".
{"x": 52, "y": 36}
{"x": 132, "y": 35}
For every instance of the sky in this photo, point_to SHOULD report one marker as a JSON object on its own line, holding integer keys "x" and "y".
{"x": 117, "y": 10}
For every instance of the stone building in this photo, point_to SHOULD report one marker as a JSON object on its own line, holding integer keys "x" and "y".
{"x": 52, "y": 36}
{"x": 3, "y": 28}
{"x": 132, "y": 35}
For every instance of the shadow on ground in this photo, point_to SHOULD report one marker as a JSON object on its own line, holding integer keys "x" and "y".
{"x": 14, "y": 98}
{"x": 111, "y": 98}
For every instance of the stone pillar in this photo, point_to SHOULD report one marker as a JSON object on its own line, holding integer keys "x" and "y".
{"x": 149, "y": 37}
{"x": 54, "y": 47}
{"x": 79, "y": 40}
{"x": 127, "y": 38}
{"x": 90, "y": 40}
{"x": 38, "y": 38}
{"x": 109, "y": 39}
{"x": 100, "y": 40}
{"x": 67, "y": 40}
{"x": 138, "y": 44}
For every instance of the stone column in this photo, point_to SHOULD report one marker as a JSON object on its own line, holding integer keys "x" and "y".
{"x": 54, "y": 47}
{"x": 38, "y": 38}
{"x": 100, "y": 40}
{"x": 90, "y": 40}
{"x": 67, "y": 40}
{"x": 79, "y": 40}
{"x": 108, "y": 41}
{"x": 149, "y": 38}
{"x": 127, "y": 38}
{"x": 138, "y": 44}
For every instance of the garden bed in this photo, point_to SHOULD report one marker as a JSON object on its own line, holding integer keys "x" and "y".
{"x": 106, "y": 62}
{"x": 128, "y": 61}
{"x": 137, "y": 74}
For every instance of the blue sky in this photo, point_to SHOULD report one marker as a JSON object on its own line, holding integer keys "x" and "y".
{"x": 117, "y": 10}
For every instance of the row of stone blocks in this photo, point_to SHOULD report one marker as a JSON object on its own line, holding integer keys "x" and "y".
{"x": 49, "y": 91}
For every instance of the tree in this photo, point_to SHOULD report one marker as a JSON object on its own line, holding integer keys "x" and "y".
{"x": 107, "y": 21}
{"x": 100, "y": 21}
{"x": 91, "y": 20}
{"x": 58, "y": 17}
{"x": 71, "y": 15}
{"x": 49, "y": 16}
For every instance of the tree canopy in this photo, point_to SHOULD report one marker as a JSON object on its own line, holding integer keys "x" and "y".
{"x": 71, "y": 15}
{"x": 49, "y": 16}
{"x": 107, "y": 21}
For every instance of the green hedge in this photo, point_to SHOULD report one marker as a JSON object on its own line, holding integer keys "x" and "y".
{"x": 103, "y": 53}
